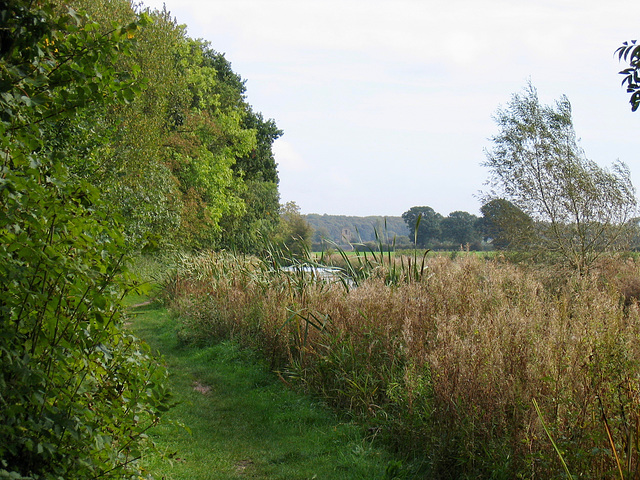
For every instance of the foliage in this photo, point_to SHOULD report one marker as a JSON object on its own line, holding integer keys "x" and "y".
{"x": 294, "y": 233}
{"x": 119, "y": 148}
{"x": 177, "y": 160}
{"x": 260, "y": 164}
{"x": 221, "y": 156}
{"x": 77, "y": 393}
{"x": 580, "y": 210}
{"x": 630, "y": 52}
{"x": 424, "y": 224}
{"x": 505, "y": 225}
{"x": 246, "y": 231}
{"x": 460, "y": 228}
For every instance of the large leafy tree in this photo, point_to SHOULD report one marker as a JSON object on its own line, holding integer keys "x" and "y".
{"x": 424, "y": 223}
{"x": 120, "y": 148}
{"x": 258, "y": 169}
{"x": 580, "y": 210}
{"x": 203, "y": 149}
{"x": 76, "y": 391}
{"x": 460, "y": 227}
{"x": 185, "y": 161}
{"x": 260, "y": 164}
{"x": 505, "y": 225}
{"x": 254, "y": 169}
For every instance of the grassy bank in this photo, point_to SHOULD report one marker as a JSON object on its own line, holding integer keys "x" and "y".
{"x": 235, "y": 419}
{"x": 447, "y": 361}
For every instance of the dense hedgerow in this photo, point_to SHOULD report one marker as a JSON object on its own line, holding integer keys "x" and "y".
{"x": 77, "y": 392}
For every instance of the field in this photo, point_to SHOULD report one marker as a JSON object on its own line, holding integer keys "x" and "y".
{"x": 471, "y": 367}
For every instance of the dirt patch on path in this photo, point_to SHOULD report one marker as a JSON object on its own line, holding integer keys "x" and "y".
{"x": 202, "y": 388}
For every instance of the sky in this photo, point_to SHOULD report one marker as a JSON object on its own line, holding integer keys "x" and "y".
{"x": 389, "y": 104}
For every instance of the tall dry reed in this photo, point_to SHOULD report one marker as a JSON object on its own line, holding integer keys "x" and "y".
{"x": 447, "y": 365}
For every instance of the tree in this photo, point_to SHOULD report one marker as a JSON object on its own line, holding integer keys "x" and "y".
{"x": 630, "y": 52}
{"x": 221, "y": 157}
{"x": 505, "y": 225}
{"x": 246, "y": 232}
{"x": 579, "y": 209}
{"x": 260, "y": 164}
{"x": 424, "y": 224}
{"x": 460, "y": 228}
{"x": 185, "y": 161}
{"x": 128, "y": 164}
{"x": 295, "y": 233}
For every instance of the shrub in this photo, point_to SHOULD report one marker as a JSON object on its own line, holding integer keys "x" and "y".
{"x": 77, "y": 392}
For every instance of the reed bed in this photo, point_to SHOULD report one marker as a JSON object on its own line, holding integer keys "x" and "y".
{"x": 479, "y": 368}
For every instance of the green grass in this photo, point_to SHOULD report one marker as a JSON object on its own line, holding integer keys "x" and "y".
{"x": 240, "y": 421}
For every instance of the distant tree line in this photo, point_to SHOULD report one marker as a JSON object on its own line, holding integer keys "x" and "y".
{"x": 457, "y": 230}
{"x": 329, "y": 229}
{"x": 505, "y": 226}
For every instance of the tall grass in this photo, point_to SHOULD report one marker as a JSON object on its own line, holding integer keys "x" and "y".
{"x": 445, "y": 359}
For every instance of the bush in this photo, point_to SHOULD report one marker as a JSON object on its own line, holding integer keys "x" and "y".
{"x": 77, "y": 393}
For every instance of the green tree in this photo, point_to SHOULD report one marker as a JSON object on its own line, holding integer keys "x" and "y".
{"x": 630, "y": 52}
{"x": 186, "y": 161}
{"x": 247, "y": 231}
{"x": 424, "y": 225}
{"x": 294, "y": 233}
{"x": 460, "y": 228}
{"x": 579, "y": 209}
{"x": 128, "y": 163}
{"x": 260, "y": 164}
{"x": 505, "y": 225}
{"x": 222, "y": 158}
{"x": 243, "y": 230}
{"x": 77, "y": 392}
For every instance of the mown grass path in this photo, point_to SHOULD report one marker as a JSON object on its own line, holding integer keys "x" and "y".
{"x": 241, "y": 422}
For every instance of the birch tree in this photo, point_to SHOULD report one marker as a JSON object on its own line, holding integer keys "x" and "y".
{"x": 580, "y": 210}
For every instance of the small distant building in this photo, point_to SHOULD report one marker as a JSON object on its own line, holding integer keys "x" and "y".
{"x": 346, "y": 235}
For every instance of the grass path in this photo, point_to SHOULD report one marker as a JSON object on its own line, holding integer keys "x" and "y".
{"x": 241, "y": 422}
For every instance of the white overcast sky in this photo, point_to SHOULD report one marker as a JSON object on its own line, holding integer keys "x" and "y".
{"x": 388, "y": 104}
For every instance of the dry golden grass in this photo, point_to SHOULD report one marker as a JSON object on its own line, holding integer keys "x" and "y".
{"x": 448, "y": 366}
